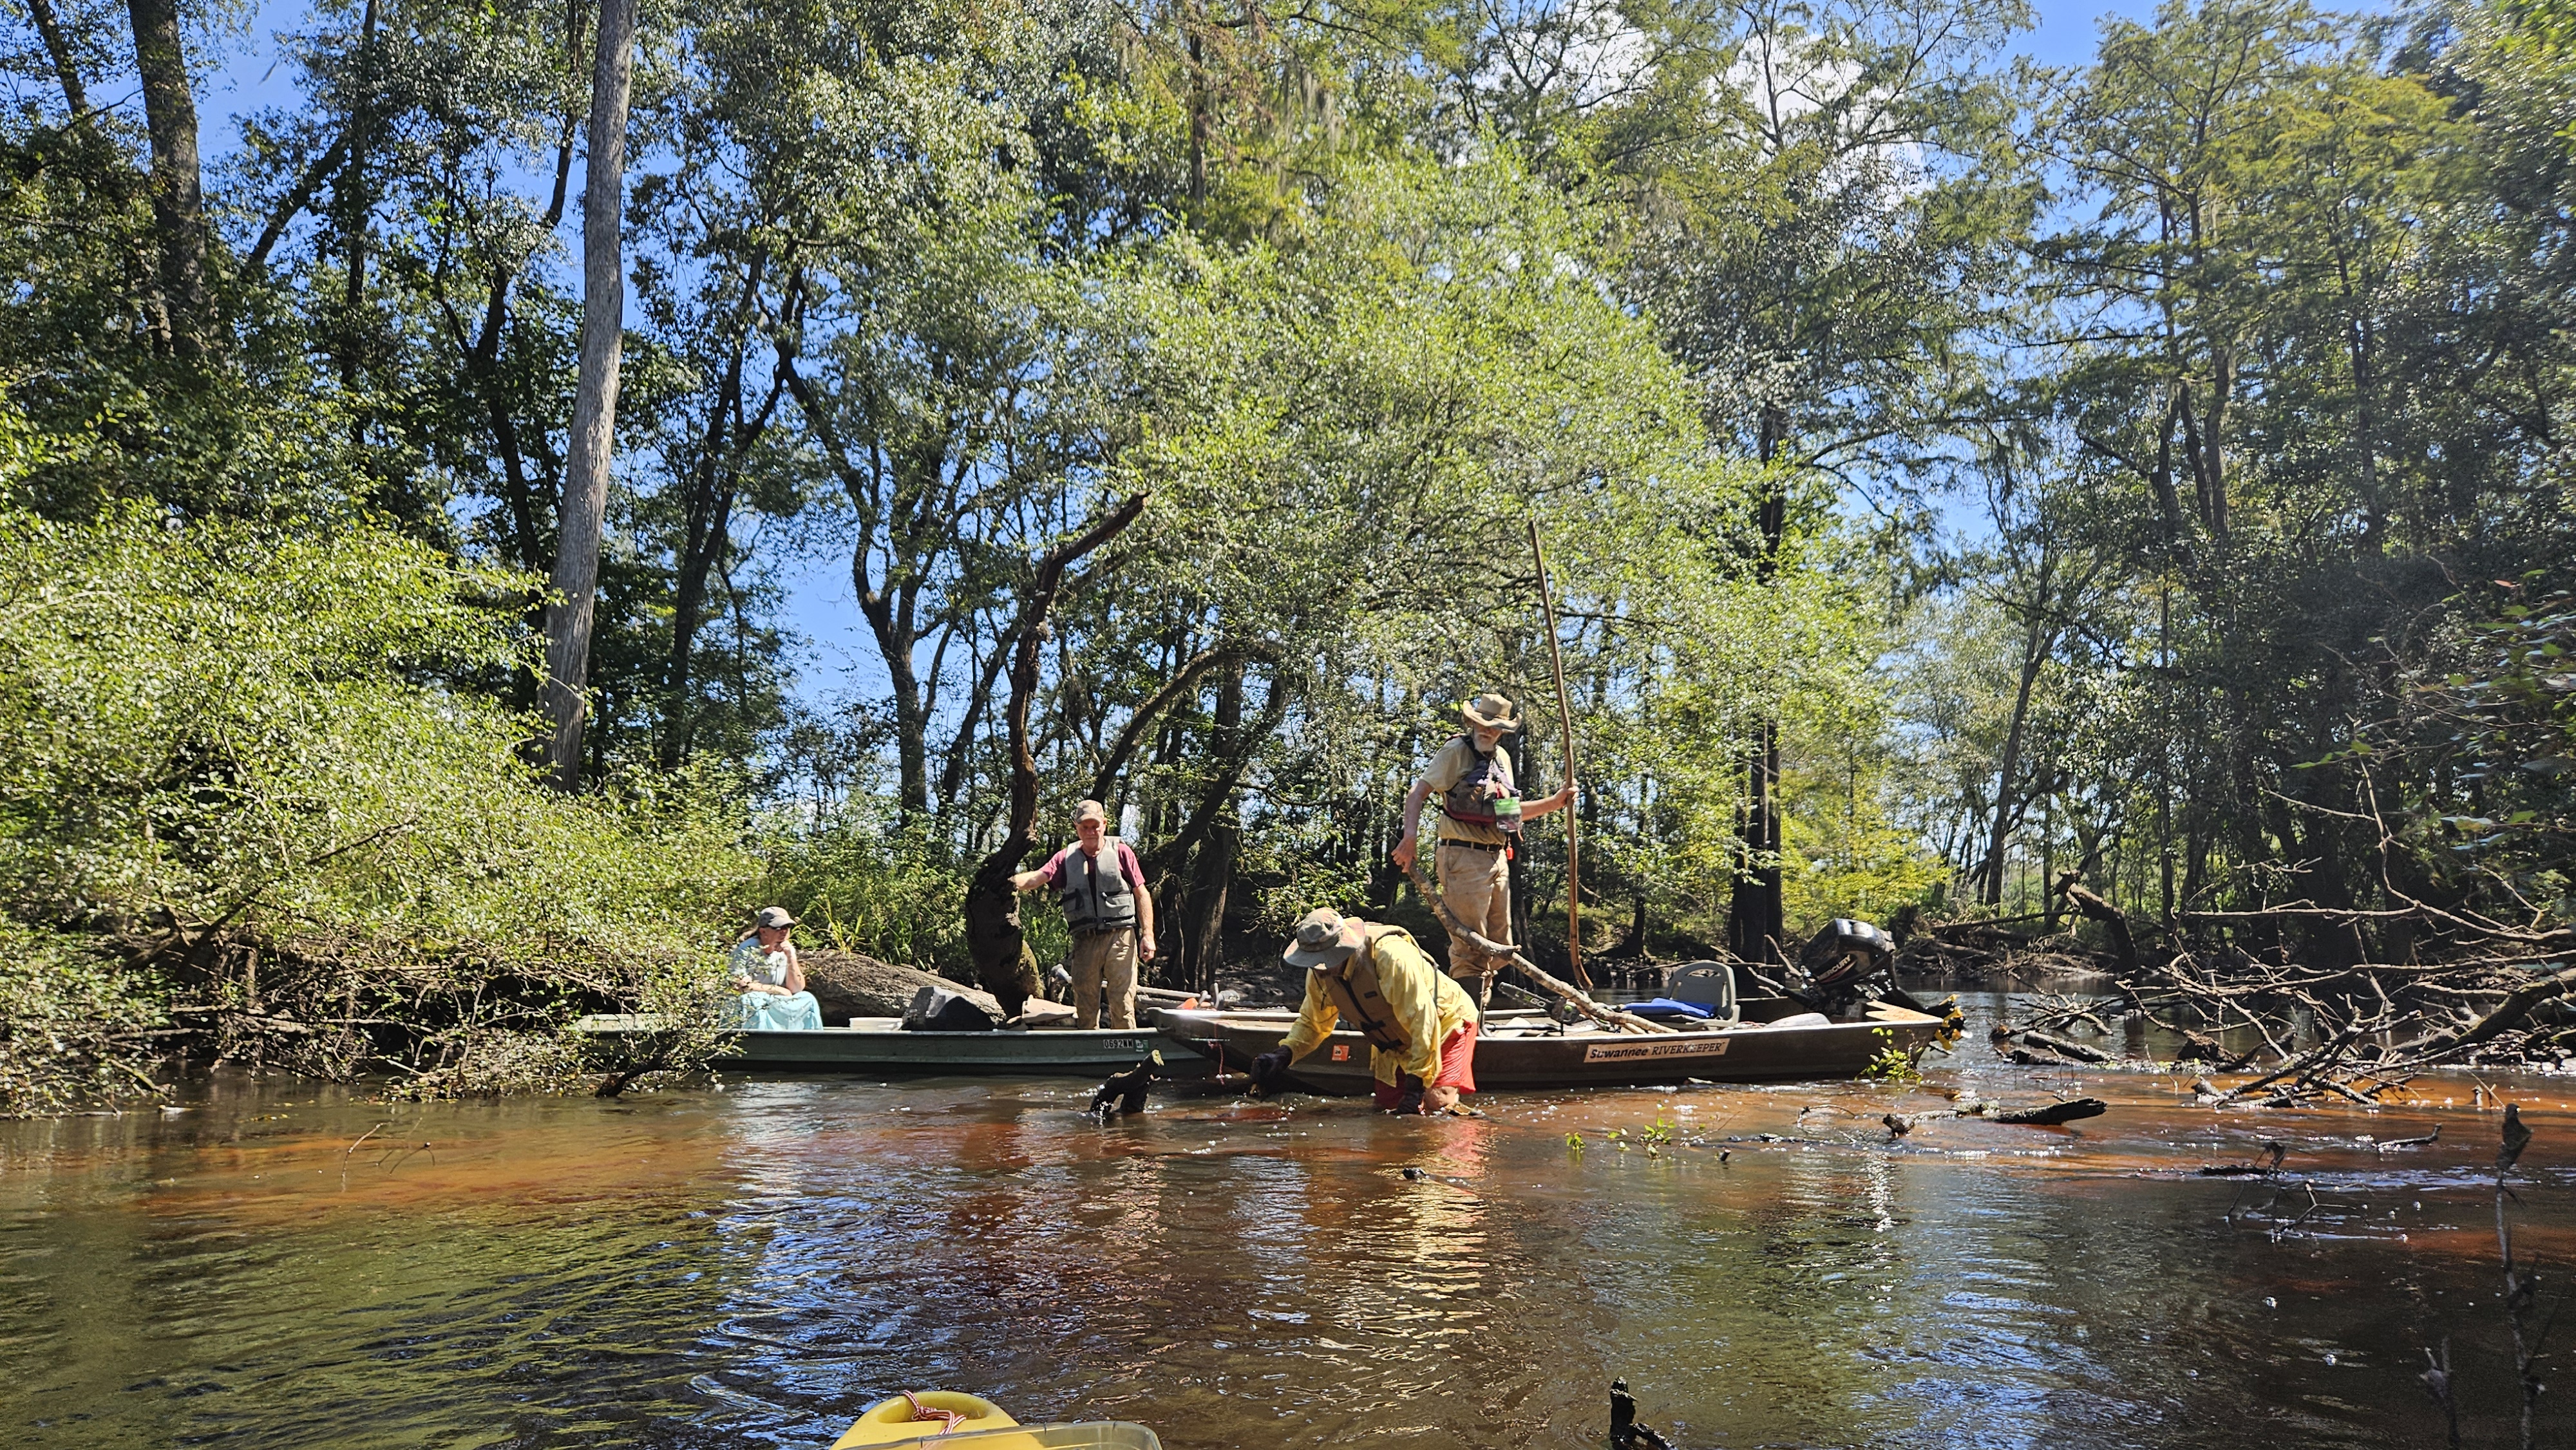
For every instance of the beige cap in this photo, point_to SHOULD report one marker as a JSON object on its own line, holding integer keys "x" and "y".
{"x": 775, "y": 918}
{"x": 1090, "y": 811}
{"x": 1323, "y": 939}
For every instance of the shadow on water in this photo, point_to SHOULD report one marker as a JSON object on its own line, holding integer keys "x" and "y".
{"x": 751, "y": 1267}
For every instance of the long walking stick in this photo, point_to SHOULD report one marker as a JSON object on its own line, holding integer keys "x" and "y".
{"x": 1565, "y": 718}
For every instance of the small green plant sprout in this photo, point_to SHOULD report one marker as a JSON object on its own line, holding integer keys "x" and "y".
{"x": 1617, "y": 1137}
{"x": 1657, "y": 1136}
{"x": 1893, "y": 1063}
{"x": 1574, "y": 1143}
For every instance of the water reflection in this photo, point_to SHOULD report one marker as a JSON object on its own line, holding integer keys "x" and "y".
{"x": 750, "y": 1268}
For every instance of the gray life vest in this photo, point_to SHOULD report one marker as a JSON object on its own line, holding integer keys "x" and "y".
{"x": 1471, "y": 800}
{"x": 1095, "y": 895}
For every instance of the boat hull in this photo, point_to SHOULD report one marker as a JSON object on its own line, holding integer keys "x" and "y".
{"x": 1508, "y": 1059}
{"x": 880, "y": 1051}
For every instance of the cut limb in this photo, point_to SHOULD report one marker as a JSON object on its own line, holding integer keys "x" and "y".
{"x": 1606, "y": 1016}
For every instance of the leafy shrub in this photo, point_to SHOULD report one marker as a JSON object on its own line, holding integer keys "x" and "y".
{"x": 71, "y": 1024}
{"x": 863, "y": 885}
{"x": 227, "y": 749}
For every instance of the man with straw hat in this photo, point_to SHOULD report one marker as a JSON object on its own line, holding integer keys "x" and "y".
{"x": 1480, "y": 814}
{"x": 1420, "y": 1025}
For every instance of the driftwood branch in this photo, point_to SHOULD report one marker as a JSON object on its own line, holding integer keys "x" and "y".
{"x": 1606, "y": 1016}
{"x": 2510, "y": 1012}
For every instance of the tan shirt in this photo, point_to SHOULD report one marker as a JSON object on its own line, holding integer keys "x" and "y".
{"x": 1452, "y": 763}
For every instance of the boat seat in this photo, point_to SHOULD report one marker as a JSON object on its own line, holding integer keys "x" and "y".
{"x": 1706, "y": 984}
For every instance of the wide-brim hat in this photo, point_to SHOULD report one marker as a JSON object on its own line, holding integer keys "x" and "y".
{"x": 1490, "y": 711}
{"x": 1321, "y": 940}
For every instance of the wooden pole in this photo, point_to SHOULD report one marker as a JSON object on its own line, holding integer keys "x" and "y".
{"x": 1565, "y": 719}
{"x": 1606, "y": 1016}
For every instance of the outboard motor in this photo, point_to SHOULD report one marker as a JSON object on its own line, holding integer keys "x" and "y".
{"x": 1842, "y": 963}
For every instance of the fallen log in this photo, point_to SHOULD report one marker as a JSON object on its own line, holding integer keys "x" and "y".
{"x": 2065, "y": 1049}
{"x": 846, "y": 985}
{"x": 2056, "y": 1113}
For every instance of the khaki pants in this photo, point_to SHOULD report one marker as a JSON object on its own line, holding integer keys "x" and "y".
{"x": 1110, "y": 955}
{"x": 1478, "y": 887}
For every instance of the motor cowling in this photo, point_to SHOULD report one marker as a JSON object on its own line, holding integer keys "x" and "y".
{"x": 1842, "y": 962}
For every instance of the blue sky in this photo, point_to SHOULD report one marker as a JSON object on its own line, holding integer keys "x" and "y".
{"x": 250, "y": 75}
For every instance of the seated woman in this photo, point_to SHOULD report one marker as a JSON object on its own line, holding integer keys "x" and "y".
{"x": 771, "y": 981}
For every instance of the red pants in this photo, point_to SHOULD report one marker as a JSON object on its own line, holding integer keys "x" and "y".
{"x": 1457, "y": 1067}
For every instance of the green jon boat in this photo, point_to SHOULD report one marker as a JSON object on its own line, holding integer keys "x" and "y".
{"x": 1514, "y": 1051}
{"x": 873, "y": 1046}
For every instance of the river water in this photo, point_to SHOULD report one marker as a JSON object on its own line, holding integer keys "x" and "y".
{"x": 285, "y": 1266}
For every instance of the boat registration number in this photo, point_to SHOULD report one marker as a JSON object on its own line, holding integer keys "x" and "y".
{"x": 1634, "y": 1051}
{"x": 1123, "y": 1044}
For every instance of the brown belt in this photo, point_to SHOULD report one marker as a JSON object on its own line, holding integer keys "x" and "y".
{"x": 1447, "y": 841}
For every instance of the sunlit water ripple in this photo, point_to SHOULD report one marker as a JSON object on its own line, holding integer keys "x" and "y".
{"x": 752, "y": 1267}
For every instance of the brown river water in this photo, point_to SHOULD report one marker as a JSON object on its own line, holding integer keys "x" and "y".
{"x": 752, "y": 1266}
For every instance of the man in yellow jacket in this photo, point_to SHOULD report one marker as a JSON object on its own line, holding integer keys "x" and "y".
{"x": 1420, "y": 1024}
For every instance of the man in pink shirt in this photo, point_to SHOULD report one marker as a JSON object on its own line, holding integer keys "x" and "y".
{"x": 1102, "y": 890}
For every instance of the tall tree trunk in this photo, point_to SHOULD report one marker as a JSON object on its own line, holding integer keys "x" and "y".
{"x": 1196, "y": 24}
{"x": 992, "y": 911}
{"x": 575, "y": 581}
{"x": 1212, "y": 868}
{"x": 356, "y": 206}
{"x": 1757, "y": 911}
{"x": 1756, "y": 918}
{"x": 178, "y": 197}
{"x": 2037, "y": 641}
{"x": 708, "y": 529}
{"x": 66, "y": 69}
